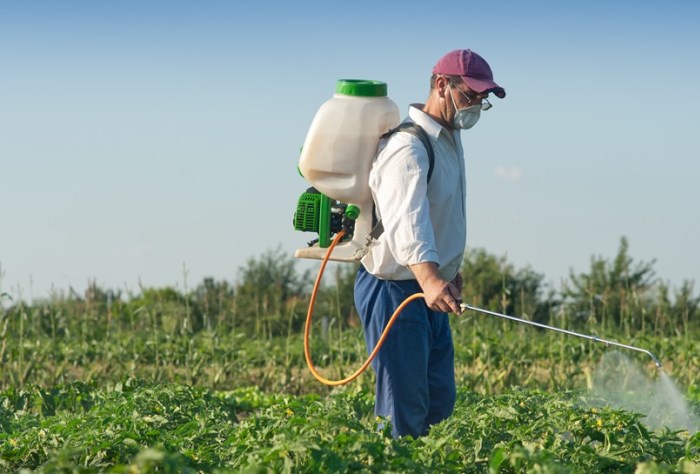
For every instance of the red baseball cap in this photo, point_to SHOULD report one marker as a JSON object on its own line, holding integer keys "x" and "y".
{"x": 474, "y": 69}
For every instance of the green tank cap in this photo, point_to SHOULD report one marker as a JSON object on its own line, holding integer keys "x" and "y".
{"x": 361, "y": 88}
{"x": 352, "y": 212}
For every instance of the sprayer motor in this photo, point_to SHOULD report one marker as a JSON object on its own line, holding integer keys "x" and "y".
{"x": 318, "y": 213}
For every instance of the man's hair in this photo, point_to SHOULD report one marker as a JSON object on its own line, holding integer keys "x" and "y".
{"x": 453, "y": 80}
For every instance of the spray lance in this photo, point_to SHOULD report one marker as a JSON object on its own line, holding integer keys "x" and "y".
{"x": 307, "y": 328}
{"x": 399, "y": 309}
{"x": 465, "y": 306}
{"x": 336, "y": 159}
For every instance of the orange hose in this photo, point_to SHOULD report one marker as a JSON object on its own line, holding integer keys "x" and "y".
{"x": 307, "y": 328}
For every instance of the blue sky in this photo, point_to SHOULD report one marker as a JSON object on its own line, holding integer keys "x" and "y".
{"x": 138, "y": 139}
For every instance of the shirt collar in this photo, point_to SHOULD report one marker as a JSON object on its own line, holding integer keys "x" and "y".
{"x": 415, "y": 113}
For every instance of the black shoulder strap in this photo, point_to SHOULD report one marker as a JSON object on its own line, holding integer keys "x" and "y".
{"x": 418, "y": 132}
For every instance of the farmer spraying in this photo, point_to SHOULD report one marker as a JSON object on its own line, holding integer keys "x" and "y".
{"x": 391, "y": 196}
{"x": 421, "y": 247}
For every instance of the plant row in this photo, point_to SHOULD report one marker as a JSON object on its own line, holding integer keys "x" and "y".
{"x": 134, "y": 426}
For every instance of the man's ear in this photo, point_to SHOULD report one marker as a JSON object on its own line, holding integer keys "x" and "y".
{"x": 441, "y": 84}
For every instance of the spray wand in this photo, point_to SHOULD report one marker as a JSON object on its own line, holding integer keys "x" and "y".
{"x": 465, "y": 306}
{"x": 397, "y": 312}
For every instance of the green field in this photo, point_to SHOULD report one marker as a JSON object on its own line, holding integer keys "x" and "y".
{"x": 213, "y": 378}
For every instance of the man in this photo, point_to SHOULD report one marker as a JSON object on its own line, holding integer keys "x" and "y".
{"x": 422, "y": 247}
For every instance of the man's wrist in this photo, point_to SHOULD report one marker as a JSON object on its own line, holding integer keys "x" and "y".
{"x": 425, "y": 273}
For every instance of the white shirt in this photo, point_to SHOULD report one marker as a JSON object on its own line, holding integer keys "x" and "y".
{"x": 421, "y": 223}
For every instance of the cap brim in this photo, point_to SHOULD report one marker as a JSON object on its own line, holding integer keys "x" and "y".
{"x": 480, "y": 86}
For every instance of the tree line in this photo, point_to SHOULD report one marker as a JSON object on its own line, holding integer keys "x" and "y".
{"x": 270, "y": 299}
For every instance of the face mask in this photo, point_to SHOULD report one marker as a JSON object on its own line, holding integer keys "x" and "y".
{"x": 465, "y": 118}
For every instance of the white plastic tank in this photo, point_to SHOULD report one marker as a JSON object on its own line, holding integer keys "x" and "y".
{"x": 343, "y": 137}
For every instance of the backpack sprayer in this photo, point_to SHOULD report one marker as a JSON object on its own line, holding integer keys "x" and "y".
{"x": 336, "y": 159}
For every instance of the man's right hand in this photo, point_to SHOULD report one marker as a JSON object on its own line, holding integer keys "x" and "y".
{"x": 440, "y": 295}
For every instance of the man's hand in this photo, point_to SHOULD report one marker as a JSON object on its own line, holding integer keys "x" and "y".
{"x": 440, "y": 295}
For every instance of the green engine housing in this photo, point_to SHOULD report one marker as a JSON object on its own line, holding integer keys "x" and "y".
{"x": 318, "y": 213}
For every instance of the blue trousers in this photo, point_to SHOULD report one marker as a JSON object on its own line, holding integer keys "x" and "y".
{"x": 415, "y": 366}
